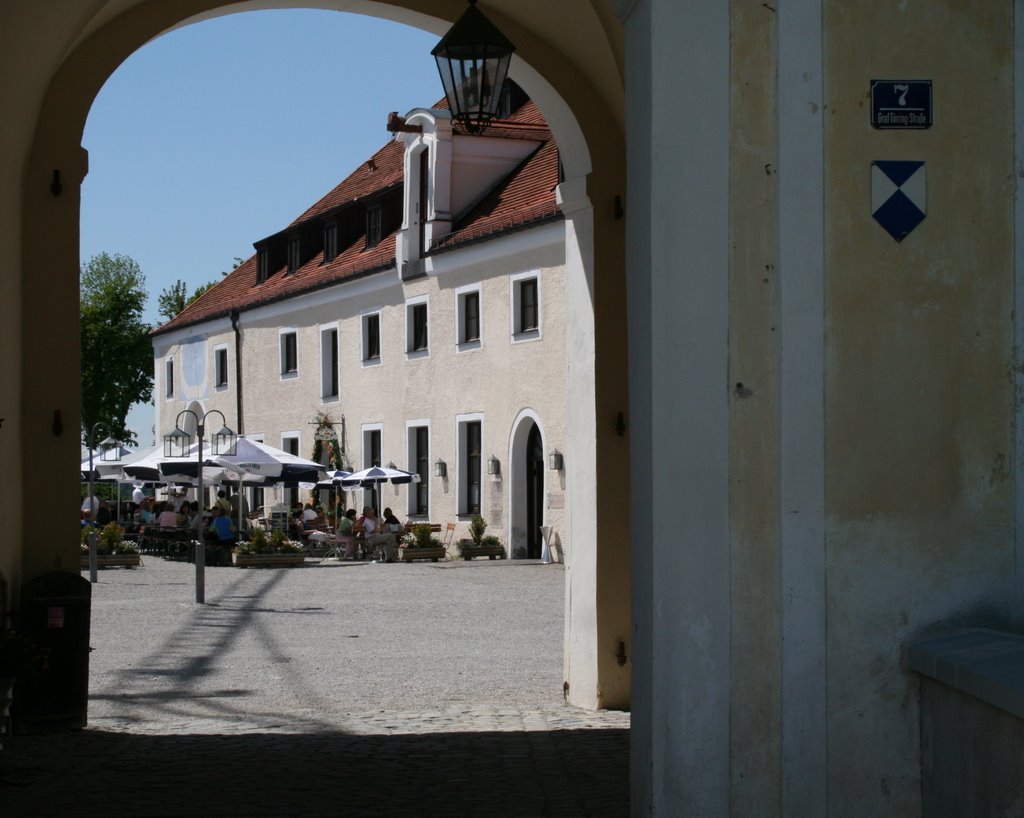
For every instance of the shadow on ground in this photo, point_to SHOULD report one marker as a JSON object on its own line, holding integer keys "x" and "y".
{"x": 487, "y": 774}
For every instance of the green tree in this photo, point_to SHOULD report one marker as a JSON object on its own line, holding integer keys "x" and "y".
{"x": 117, "y": 355}
{"x": 172, "y": 300}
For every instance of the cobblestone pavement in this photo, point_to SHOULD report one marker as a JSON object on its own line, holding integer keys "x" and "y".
{"x": 335, "y": 689}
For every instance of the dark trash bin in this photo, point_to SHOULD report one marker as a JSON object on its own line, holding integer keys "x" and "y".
{"x": 55, "y": 611}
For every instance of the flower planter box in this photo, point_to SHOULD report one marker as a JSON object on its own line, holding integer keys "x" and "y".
{"x": 433, "y": 554}
{"x": 113, "y": 561}
{"x": 268, "y": 560}
{"x": 494, "y": 552}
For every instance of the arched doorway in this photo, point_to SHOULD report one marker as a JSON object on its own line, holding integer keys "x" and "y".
{"x": 534, "y": 491}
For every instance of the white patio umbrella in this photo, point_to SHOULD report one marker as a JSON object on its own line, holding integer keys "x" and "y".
{"x": 262, "y": 462}
{"x": 106, "y": 466}
{"x": 373, "y": 477}
{"x": 272, "y": 464}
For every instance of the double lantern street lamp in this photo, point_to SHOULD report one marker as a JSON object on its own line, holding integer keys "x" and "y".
{"x": 109, "y": 451}
{"x": 177, "y": 444}
{"x": 473, "y": 59}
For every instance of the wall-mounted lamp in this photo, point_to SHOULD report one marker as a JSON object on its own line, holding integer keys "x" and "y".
{"x": 555, "y": 460}
{"x": 440, "y": 468}
{"x": 493, "y": 465}
{"x": 473, "y": 59}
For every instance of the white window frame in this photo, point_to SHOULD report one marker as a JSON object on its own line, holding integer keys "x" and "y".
{"x": 460, "y": 318}
{"x": 325, "y": 362}
{"x": 410, "y": 458}
{"x": 462, "y": 462}
{"x": 410, "y": 305}
{"x": 281, "y": 334}
{"x": 364, "y": 320}
{"x": 515, "y": 298}
{"x": 291, "y": 495}
{"x": 217, "y": 385}
{"x": 253, "y": 492}
{"x": 169, "y": 378}
{"x": 364, "y": 431}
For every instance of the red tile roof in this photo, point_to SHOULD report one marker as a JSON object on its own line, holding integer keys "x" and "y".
{"x": 525, "y": 197}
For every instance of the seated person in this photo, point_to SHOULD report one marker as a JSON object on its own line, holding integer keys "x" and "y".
{"x": 309, "y": 517}
{"x": 347, "y": 533}
{"x": 384, "y": 544}
{"x": 222, "y": 526}
{"x": 145, "y": 515}
{"x": 391, "y": 522}
{"x": 167, "y": 517}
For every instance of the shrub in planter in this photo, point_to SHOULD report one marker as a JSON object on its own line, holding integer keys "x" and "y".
{"x": 111, "y": 536}
{"x": 421, "y": 537}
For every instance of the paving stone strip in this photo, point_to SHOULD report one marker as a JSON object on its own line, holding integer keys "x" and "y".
{"x": 339, "y": 689}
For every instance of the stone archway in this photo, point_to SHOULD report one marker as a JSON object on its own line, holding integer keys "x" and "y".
{"x": 574, "y": 75}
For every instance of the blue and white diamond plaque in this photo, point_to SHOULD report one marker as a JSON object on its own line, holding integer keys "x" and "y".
{"x": 898, "y": 196}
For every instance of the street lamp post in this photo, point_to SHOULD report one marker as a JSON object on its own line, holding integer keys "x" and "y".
{"x": 176, "y": 444}
{"x": 105, "y": 445}
{"x": 108, "y": 444}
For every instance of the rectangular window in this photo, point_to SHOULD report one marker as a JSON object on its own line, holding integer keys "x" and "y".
{"x": 471, "y": 317}
{"x": 330, "y": 241}
{"x": 169, "y": 378}
{"x": 418, "y": 337}
{"x": 294, "y": 254}
{"x": 329, "y": 363}
{"x": 374, "y": 224}
{"x": 291, "y": 445}
{"x": 525, "y": 313}
{"x": 371, "y": 457}
{"x": 262, "y": 266}
{"x": 419, "y": 494}
{"x": 289, "y": 354}
{"x": 528, "y": 305}
{"x": 221, "y": 367}
{"x": 371, "y": 448}
{"x": 371, "y": 337}
{"x": 473, "y": 462}
{"x": 256, "y": 498}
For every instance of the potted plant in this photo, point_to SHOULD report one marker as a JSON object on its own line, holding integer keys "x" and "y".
{"x": 112, "y": 549}
{"x": 275, "y": 551}
{"x": 421, "y": 544}
{"x": 480, "y": 544}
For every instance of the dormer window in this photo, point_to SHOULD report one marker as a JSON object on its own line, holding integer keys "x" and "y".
{"x": 374, "y": 225}
{"x": 294, "y": 254}
{"x": 262, "y": 265}
{"x": 330, "y": 241}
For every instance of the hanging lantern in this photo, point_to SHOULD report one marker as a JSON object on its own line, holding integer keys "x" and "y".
{"x": 473, "y": 59}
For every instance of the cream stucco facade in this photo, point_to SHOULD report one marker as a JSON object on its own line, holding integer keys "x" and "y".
{"x": 821, "y": 425}
{"x": 506, "y": 381}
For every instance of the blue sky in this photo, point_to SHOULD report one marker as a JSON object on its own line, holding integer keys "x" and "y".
{"x": 218, "y": 134}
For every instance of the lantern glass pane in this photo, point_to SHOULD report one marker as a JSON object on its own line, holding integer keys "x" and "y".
{"x": 109, "y": 449}
{"x": 177, "y": 443}
{"x": 224, "y": 442}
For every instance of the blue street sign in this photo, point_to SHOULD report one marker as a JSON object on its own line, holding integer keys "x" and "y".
{"x": 901, "y": 104}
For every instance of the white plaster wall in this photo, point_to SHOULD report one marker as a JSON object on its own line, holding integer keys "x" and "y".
{"x": 498, "y": 380}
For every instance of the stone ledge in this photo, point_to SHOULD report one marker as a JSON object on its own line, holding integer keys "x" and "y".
{"x": 986, "y": 664}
